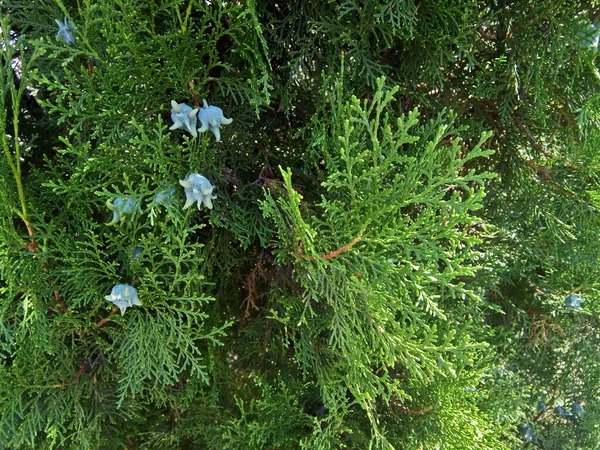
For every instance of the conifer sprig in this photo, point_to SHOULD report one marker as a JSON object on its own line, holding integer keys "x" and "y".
{"x": 377, "y": 270}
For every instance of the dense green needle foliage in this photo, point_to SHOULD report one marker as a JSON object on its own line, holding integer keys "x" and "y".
{"x": 406, "y": 196}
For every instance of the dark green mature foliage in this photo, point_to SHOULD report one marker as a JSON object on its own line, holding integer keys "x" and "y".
{"x": 406, "y": 195}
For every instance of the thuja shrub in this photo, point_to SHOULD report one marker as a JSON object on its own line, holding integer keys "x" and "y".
{"x": 285, "y": 225}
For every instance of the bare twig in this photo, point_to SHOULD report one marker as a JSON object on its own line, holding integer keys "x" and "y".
{"x": 544, "y": 175}
{"x": 340, "y": 250}
{"x": 194, "y": 94}
{"x": 103, "y": 321}
{"x": 59, "y": 300}
{"x": 250, "y": 300}
{"x": 532, "y": 140}
{"x": 75, "y": 380}
{"x": 332, "y": 254}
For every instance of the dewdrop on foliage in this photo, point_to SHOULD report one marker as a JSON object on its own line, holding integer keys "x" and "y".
{"x": 65, "y": 31}
{"x": 183, "y": 116}
{"x": 122, "y": 209}
{"x": 211, "y": 118}
{"x": 124, "y": 296}
{"x": 197, "y": 190}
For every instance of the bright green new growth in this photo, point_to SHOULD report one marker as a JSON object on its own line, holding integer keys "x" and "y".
{"x": 406, "y": 196}
{"x": 388, "y": 195}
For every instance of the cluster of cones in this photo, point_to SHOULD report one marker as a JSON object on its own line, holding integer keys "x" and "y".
{"x": 210, "y": 117}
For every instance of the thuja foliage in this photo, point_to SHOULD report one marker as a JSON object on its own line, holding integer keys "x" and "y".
{"x": 395, "y": 242}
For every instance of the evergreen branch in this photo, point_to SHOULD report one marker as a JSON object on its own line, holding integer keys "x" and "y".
{"x": 17, "y": 166}
{"x": 16, "y": 92}
{"x": 400, "y": 316}
{"x": 557, "y": 188}
{"x": 183, "y": 24}
{"x": 8, "y": 80}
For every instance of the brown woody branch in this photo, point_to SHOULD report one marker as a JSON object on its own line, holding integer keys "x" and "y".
{"x": 250, "y": 300}
{"x": 544, "y": 175}
{"x": 532, "y": 140}
{"x": 561, "y": 190}
{"x": 59, "y": 300}
{"x": 75, "y": 380}
{"x": 194, "y": 94}
{"x": 340, "y": 250}
{"x": 100, "y": 323}
{"x": 332, "y": 254}
{"x": 103, "y": 321}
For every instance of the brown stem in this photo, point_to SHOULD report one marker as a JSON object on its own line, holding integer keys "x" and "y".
{"x": 194, "y": 94}
{"x": 59, "y": 300}
{"x": 561, "y": 190}
{"x": 404, "y": 409}
{"x": 530, "y": 137}
{"x": 103, "y": 321}
{"x": 79, "y": 373}
{"x": 544, "y": 176}
{"x": 339, "y": 251}
{"x": 250, "y": 300}
{"x": 75, "y": 380}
